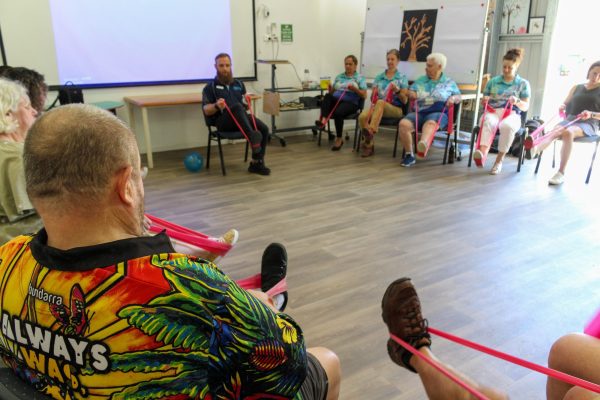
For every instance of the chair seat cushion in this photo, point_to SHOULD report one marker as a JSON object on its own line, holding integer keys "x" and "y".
{"x": 230, "y": 135}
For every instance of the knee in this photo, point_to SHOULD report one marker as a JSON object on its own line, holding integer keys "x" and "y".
{"x": 562, "y": 350}
{"x": 405, "y": 126}
{"x": 330, "y": 362}
{"x": 566, "y": 135}
{"x": 577, "y": 393}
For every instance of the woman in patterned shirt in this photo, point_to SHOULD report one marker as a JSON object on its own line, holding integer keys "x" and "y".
{"x": 507, "y": 92}
{"x": 432, "y": 94}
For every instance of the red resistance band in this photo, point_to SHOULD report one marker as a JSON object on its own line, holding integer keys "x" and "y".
{"x": 253, "y": 145}
{"x": 201, "y": 240}
{"x": 389, "y": 97}
{"x": 249, "y": 101}
{"x": 488, "y": 108}
{"x": 337, "y": 103}
{"x": 439, "y": 367}
{"x": 374, "y": 97}
{"x": 437, "y": 125}
{"x": 571, "y": 380}
{"x": 541, "y": 138}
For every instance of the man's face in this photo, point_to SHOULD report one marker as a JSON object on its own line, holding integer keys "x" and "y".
{"x": 223, "y": 67}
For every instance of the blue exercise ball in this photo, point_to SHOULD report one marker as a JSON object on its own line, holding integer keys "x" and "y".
{"x": 193, "y": 162}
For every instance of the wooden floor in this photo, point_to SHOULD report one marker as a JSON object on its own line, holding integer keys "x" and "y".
{"x": 504, "y": 260}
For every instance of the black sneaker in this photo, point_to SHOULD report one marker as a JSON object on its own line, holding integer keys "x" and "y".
{"x": 259, "y": 167}
{"x": 273, "y": 269}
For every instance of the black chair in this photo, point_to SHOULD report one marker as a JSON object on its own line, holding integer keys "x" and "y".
{"x": 438, "y": 135}
{"x": 216, "y": 136}
{"x": 353, "y": 116}
{"x": 520, "y": 135}
{"x": 386, "y": 122}
{"x": 584, "y": 139}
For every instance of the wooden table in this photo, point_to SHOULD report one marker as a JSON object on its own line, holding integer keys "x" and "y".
{"x": 161, "y": 100}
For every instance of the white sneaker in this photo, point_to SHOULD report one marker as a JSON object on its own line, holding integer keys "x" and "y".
{"x": 496, "y": 169}
{"x": 557, "y": 179}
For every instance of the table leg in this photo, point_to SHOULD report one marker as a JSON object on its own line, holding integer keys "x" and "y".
{"x": 147, "y": 137}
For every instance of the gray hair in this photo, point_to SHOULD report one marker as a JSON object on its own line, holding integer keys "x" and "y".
{"x": 439, "y": 58}
{"x": 11, "y": 94}
{"x": 72, "y": 152}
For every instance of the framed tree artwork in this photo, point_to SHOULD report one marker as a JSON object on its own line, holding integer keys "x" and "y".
{"x": 515, "y": 17}
{"x": 418, "y": 28}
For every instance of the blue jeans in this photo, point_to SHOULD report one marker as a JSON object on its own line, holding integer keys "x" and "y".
{"x": 424, "y": 117}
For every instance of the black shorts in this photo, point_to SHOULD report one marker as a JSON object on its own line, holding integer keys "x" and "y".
{"x": 316, "y": 384}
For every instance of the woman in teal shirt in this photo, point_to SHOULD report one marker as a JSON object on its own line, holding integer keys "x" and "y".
{"x": 507, "y": 92}
{"x": 391, "y": 86}
{"x": 432, "y": 93}
{"x": 354, "y": 88}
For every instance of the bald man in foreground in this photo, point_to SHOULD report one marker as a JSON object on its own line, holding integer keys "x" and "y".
{"x": 91, "y": 308}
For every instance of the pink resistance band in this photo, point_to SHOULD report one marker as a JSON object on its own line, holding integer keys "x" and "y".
{"x": 439, "y": 367}
{"x": 201, "y": 240}
{"x": 541, "y": 138}
{"x": 249, "y": 102}
{"x": 437, "y": 125}
{"x": 488, "y": 108}
{"x": 572, "y": 380}
{"x": 374, "y": 97}
{"x": 335, "y": 106}
{"x": 389, "y": 97}
{"x": 253, "y": 145}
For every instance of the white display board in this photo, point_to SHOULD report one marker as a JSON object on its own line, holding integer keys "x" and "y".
{"x": 459, "y": 34}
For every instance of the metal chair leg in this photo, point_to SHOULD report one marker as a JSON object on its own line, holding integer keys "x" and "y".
{"x": 221, "y": 156}
{"x": 589, "y": 174}
{"x": 208, "y": 151}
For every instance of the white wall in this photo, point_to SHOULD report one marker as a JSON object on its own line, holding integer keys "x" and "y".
{"x": 323, "y": 36}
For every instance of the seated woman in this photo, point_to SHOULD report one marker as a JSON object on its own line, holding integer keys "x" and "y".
{"x": 354, "y": 88}
{"x": 17, "y": 215}
{"x": 33, "y": 81}
{"x": 582, "y": 101}
{"x": 432, "y": 93}
{"x": 391, "y": 86}
{"x": 501, "y": 92}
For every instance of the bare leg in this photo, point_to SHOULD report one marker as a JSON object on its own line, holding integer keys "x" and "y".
{"x": 439, "y": 386}
{"x": 500, "y": 157}
{"x": 406, "y": 128}
{"x": 331, "y": 363}
{"x": 577, "y": 355}
{"x": 428, "y": 132}
{"x": 568, "y": 136}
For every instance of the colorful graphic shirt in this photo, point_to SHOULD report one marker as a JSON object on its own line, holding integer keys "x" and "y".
{"x": 432, "y": 95}
{"x": 132, "y": 319}
{"x": 500, "y": 91}
{"x": 342, "y": 81}
{"x": 382, "y": 83}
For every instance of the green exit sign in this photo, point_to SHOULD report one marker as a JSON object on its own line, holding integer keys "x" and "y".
{"x": 287, "y": 33}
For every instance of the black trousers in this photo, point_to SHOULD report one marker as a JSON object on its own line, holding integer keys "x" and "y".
{"x": 343, "y": 109}
{"x": 226, "y": 124}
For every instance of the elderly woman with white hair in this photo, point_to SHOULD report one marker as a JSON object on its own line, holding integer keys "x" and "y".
{"x": 17, "y": 215}
{"x": 432, "y": 93}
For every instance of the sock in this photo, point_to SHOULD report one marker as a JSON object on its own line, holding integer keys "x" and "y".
{"x": 278, "y": 300}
